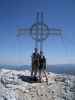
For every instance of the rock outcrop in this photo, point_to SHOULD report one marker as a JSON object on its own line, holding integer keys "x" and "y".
{"x": 17, "y": 85}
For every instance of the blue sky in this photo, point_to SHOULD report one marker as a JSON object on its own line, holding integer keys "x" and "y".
{"x": 21, "y": 13}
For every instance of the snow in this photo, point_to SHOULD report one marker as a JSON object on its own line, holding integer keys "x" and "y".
{"x": 59, "y": 87}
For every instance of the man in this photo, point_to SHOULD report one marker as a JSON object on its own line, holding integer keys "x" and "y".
{"x": 35, "y": 62}
{"x": 42, "y": 66}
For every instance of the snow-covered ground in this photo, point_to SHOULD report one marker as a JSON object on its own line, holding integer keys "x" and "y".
{"x": 15, "y": 85}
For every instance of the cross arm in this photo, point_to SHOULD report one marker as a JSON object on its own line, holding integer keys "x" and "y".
{"x": 22, "y": 31}
{"x": 55, "y": 31}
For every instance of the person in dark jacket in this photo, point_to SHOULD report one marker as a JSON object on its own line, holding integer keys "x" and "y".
{"x": 42, "y": 66}
{"x": 35, "y": 62}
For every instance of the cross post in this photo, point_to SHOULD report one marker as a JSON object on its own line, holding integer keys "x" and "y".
{"x": 39, "y": 31}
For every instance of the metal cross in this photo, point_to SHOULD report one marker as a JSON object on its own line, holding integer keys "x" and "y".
{"x": 39, "y": 31}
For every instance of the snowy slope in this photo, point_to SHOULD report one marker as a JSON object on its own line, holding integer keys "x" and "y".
{"x": 14, "y": 87}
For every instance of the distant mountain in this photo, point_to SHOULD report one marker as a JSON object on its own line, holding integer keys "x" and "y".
{"x": 14, "y": 67}
{"x": 58, "y": 68}
{"x": 62, "y": 68}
